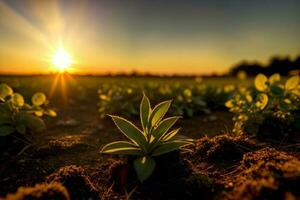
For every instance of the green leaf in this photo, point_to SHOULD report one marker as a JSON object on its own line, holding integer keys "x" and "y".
{"x": 6, "y": 130}
{"x": 170, "y": 135}
{"x": 262, "y": 101}
{"x": 229, "y": 104}
{"x": 292, "y": 83}
{"x": 122, "y": 148}
{"x": 30, "y": 121}
{"x": 169, "y": 146}
{"x": 274, "y": 78}
{"x": 5, "y": 91}
{"x": 5, "y": 115}
{"x": 50, "y": 113}
{"x": 130, "y": 131}
{"x": 163, "y": 127}
{"x": 38, "y": 99}
{"x": 276, "y": 90}
{"x": 39, "y": 113}
{"x": 21, "y": 129}
{"x": 159, "y": 112}
{"x": 17, "y": 99}
{"x": 144, "y": 167}
{"x": 260, "y": 82}
{"x": 187, "y": 93}
{"x": 145, "y": 110}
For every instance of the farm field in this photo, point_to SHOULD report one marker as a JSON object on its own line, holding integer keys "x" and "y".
{"x": 213, "y": 166}
{"x": 149, "y": 100}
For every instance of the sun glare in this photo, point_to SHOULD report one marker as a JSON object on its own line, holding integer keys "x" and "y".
{"x": 61, "y": 60}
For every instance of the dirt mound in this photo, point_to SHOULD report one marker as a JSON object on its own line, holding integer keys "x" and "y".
{"x": 76, "y": 180}
{"x": 220, "y": 148}
{"x": 267, "y": 174}
{"x": 40, "y": 192}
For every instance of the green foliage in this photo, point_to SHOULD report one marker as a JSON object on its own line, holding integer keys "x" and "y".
{"x": 18, "y": 116}
{"x": 154, "y": 139}
{"x": 189, "y": 100}
{"x": 270, "y": 102}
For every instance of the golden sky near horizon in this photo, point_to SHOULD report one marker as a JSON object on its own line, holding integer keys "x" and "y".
{"x": 146, "y": 36}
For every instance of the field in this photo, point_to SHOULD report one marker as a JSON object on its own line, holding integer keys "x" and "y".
{"x": 215, "y": 166}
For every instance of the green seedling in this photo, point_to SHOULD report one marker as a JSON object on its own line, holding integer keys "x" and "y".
{"x": 154, "y": 139}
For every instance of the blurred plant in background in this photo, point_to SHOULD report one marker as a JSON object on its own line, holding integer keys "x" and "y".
{"x": 269, "y": 109}
{"x": 18, "y": 116}
{"x": 189, "y": 100}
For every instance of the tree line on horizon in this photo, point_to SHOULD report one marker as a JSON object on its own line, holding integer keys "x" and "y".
{"x": 283, "y": 65}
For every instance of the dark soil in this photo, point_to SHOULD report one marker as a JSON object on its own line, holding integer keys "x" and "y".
{"x": 266, "y": 174}
{"x": 221, "y": 151}
{"x": 77, "y": 182}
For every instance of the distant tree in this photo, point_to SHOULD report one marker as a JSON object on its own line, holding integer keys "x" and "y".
{"x": 251, "y": 69}
{"x": 277, "y": 64}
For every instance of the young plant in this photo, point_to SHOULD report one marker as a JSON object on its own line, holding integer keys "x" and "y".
{"x": 270, "y": 107}
{"x": 18, "y": 116}
{"x": 154, "y": 139}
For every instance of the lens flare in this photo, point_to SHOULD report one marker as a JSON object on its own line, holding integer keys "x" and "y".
{"x": 61, "y": 60}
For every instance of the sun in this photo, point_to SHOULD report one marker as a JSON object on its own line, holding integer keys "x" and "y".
{"x": 61, "y": 60}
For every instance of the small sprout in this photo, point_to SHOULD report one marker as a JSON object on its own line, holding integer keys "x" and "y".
{"x": 154, "y": 139}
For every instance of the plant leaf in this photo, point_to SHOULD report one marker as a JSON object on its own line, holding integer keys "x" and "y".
{"x": 122, "y": 148}
{"x": 6, "y": 130}
{"x": 159, "y": 112}
{"x": 38, "y": 99}
{"x": 17, "y": 99}
{"x": 163, "y": 127}
{"x": 274, "y": 78}
{"x": 30, "y": 121}
{"x": 50, "y": 112}
{"x": 130, "y": 131}
{"x": 21, "y": 129}
{"x": 144, "y": 167}
{"x": 292, "y": 83}
{"x": 262, "y": 101}
{"x": 5, "y": 115}
{"x": 260, "y": 82}
{"x": 5, "y": 91}
{"x": 170, "y": 135}
{"x": 229, "y": 103}
{"x": 145, "y": 109}
{"x": 169, "y": 146}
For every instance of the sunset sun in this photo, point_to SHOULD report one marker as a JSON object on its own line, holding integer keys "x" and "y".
{"x": 61, "y": 60}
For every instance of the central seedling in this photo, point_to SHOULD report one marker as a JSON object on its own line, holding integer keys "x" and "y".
{"x": 154, "y": 139}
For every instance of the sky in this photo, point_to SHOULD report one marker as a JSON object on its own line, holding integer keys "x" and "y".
{"x": 156, "y": 36}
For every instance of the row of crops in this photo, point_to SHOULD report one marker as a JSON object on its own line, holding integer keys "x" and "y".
{"x": 270, "y": 104}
